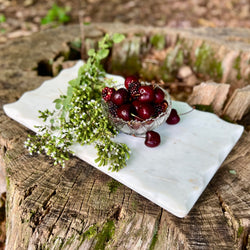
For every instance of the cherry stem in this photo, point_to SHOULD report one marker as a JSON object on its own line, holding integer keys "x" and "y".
{"x": 187, "y": 112}
{"x": 140, "y": 136}
{"x": 136, "y": 116}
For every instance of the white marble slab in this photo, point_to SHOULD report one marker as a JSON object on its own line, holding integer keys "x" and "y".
{"x": 172, "y": 175}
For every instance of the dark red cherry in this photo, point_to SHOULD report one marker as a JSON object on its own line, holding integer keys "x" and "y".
{"x": 159, "y": 95}
{"x": 120, "y": 96}
{"x": 137, "y": 105}
{"x": 129, "y": 80}
{"x": 146, "y": 94}
{"x": 173, "y": 117}
{"x": 124, "y": 111}
{"x": 153, "y": 139}
{"x": 145, "y": 111}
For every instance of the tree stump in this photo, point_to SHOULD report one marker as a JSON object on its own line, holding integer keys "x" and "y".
{"x": 75, "y": 208}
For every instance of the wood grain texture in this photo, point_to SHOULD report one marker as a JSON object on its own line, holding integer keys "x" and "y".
{"x": 211, "y": 94}
{"x": 239, "y": 104}
{"x": 73, "y": 208}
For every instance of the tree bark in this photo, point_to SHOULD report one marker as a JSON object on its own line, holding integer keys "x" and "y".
{"x": 74, "y": 208}
{"x": 210, "y": 94}
{"x": 239, "y": 104}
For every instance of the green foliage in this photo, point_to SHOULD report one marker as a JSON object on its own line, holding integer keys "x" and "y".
{"x": 102, "y": 235}
{"x": 227, "y": 119}
{"x": 232, "y": 171}
{"x": 113, "y": 185}
{"x": 76, "y": 43}
{"x": 79, "y": 118}
{"x": 155, "y": 236}
{"x": 56, "y": 14}
{"x": 174, "y": 60}
{"x": 240, "y": 231}
{"x": 117, "y": 38}
{"x": 105, "y": 235}
{"x": 2, "y": 18}
{"x": 206, "y": 108}
{"x": 206, "y": 62}
{"x": 158, "y": 41}
{"x": 237, "y": 66}
{"x": 90, "y": 233}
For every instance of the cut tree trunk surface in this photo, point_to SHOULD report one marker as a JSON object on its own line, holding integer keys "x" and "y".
{"x": 53, "y": 208}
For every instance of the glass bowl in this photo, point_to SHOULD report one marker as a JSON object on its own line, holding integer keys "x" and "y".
{"x": 135, "y": 127}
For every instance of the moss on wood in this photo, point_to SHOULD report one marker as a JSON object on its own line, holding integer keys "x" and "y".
{"x": 105, "y": 235}
{"x": 113, "y": 185}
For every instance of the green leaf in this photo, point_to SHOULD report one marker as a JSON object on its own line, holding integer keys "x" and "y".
{"x": 69, "y": 91}
{"x": 2, "y": 18}
{"x": 56, "y": 14}
{"x": 58, "y": 103}
{"x": 75, "y": 82}
{"x": 102, "y": 53}
{"x": 91, "y": 52}
{"x": 232, "y": 171}
{"x": 117, "y": 38}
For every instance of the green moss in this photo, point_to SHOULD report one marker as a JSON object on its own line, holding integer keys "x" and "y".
{"x": 168, "y": 69}
{"x": 236, "y": 66}
{"x": 32, "y": 214}
{"x": 153, "y": 242}
{"x": 206, "y": 108}
{"x": 155, "y": 235}
{"x": 240, "y": 231}
{"x": 58, "y": 243}
{"x": 131, "y": 66}
{"x": 90, "y": 233}
{"x": 128, "y": 57}
{"x": 173, "y": 61}
{"x": 7, "y": 182}
{"x": 101, "y": 237}
{"x": 134, "y": 205}
{"x": 44, "y": 246}
{"x": 105, "y": 235}
{"x": 206, "y": 62}
{"x": 158, "y": 41}
{"x": 151, "y": 72}
{"x": 77, "y": 43}
{"x": 113, "y": 185}
{"x": 69, "y": 240}
{"x": 227, "y": 119}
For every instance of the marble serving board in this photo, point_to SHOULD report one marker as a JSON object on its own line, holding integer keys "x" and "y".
{"x": 172, "y": 175}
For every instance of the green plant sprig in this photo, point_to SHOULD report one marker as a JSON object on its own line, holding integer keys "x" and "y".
{"x": 79, "y": 118}
{"x": 56, "y": 14}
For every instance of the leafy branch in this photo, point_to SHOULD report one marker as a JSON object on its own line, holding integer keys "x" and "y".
{"x": 78, "y": 116}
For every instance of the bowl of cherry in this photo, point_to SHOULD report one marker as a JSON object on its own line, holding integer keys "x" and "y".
{"x": 136, "y": 107}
